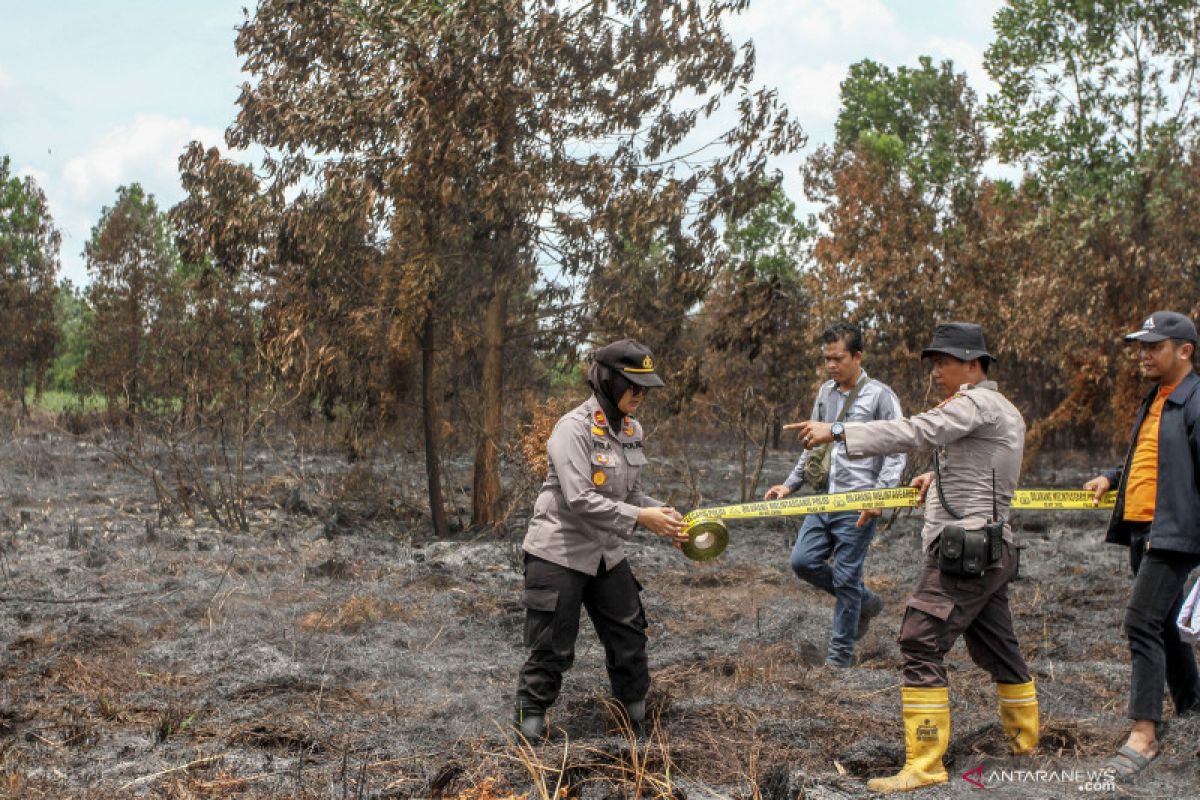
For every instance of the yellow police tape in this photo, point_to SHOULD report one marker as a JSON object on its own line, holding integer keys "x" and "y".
{"x": 708, "y": 536}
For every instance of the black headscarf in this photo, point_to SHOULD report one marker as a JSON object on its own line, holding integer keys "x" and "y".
{"x": 608, "y": 385}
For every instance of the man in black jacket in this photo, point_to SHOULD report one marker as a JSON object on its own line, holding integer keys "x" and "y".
{"x": 1157, "y": 517}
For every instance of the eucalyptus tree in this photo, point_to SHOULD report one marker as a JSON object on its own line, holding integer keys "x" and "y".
{"x": 1086, "y": 90}
{"x": 135, "y": 300}
{"x": 1099, "y": 102}
{"x": 900, "y": 184}
{"x": 760, "y": 355}
{"x": 506, "y": 142}
{"x": 29, "y": 245}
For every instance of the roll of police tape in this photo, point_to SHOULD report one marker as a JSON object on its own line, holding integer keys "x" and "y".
{"x": 708, "y": 535}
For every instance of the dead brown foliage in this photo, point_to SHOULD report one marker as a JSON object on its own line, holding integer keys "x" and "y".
{"x": 354, "y": 614}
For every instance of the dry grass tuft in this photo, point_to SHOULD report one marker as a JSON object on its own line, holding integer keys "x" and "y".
{"x": 487, "y": 790}
{"x": 353, "y": 615}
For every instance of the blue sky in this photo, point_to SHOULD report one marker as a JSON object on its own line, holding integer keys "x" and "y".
{"x": 101, "y": 93}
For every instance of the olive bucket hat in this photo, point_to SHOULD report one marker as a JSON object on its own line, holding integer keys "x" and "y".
{"x": 962, "y": 340}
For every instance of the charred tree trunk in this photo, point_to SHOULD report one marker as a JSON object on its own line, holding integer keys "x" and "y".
{"x": 486, "y": 507}
{"x": 21, "y": 379}
{"x": 486, "y": 494}
{"x": 429, "y": 420}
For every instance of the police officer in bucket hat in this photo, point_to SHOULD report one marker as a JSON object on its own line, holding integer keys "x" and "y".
{"x": 978, "y": 438}
{"x": 589, "y": 506}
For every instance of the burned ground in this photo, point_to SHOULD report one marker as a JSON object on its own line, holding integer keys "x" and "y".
{"x": 333, "y": 651}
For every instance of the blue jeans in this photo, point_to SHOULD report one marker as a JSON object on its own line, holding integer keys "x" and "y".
{"x": 825, "y": 535}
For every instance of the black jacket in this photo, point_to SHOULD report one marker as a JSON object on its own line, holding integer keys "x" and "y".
{"x": 1176, "y": 524}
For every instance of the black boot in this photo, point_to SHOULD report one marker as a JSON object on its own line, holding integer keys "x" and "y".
{"x": 635, "y": 714}
{"x": 530, "y": 723}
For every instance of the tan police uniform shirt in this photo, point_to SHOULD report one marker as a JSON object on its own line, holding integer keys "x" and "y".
{"x": 589, "y": 504}
{"x": 976, "y": 431}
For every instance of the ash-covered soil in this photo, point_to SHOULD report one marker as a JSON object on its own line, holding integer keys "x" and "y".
{"x": 333, "y": 651}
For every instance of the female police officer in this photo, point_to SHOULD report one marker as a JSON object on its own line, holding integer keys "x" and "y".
{"x": 574, "y": 552}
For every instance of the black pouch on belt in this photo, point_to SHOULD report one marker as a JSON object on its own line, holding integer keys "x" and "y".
{"x": 963, "y": 553}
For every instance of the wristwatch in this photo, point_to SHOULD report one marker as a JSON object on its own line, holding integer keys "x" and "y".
{"x": 839, "y": 431}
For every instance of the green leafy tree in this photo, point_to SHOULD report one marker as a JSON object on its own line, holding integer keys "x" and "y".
{"x": 72, "y": 317}
{"x": 1087, "y": 89}
{"x": 921, "y": 122}
{"x": 137, "y": 303}
{"x": 29, "y": 245}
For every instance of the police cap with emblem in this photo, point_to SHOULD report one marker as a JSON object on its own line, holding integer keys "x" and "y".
{"x": 632, "y": 360}
{"x": 1164, "y": 325}
{"x": 962, "y": 340}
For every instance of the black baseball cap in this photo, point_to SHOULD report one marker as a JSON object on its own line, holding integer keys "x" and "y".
{"x": 963, "y": 340}
{"x": 631, "y": 359}
{"x": 1164, "y": 325}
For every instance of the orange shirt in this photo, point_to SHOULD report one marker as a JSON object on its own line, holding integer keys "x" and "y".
{"x": 1141, "y": 488}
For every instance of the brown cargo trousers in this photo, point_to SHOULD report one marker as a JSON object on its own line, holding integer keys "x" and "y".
{"x": 944, "y": 607}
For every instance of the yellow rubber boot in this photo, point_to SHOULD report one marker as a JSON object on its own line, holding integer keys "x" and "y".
{"x": 926, "y": 737}
{"x": 1019, "y": 715}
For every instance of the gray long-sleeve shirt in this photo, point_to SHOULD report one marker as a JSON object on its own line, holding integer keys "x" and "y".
{"x": 977, "y": 431}
{"x": 875, "y": 401}
{"x": 589, "y": 503}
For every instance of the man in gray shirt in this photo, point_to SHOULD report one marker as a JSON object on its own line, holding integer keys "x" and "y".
{"x": 844, "y": 536}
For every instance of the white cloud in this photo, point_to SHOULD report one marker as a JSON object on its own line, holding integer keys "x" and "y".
{"x": 978, "y": 14}
{"x": 809, "y": 23}
{"x": 39, "y": 177}
{"x": 814, "y": 93}
{"x": 805, "y": 47}
{"x": 146, "y": 150}
{"x": 855, "y": 15}
{"x": 6, "y": 81}
{"x": 967, "y": 57}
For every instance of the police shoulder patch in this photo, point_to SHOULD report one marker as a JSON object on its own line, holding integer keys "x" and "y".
{"x": 950, "y": 399}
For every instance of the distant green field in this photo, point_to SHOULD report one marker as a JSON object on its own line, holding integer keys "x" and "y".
{"x": 58, "y": 401}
